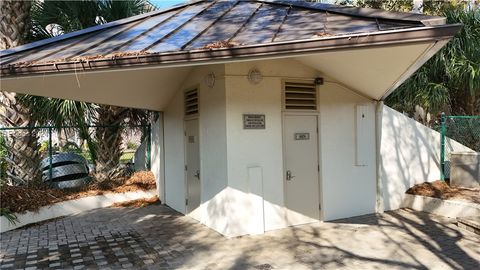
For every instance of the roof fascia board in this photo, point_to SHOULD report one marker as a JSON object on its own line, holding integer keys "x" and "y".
{"x": 365, "y": 12}
{"x": 404, "y": 36}
{"x": 47, "y": 41}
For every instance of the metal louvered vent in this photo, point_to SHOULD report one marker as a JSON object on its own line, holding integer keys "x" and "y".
{"x": 300, "y": 96}
{"x": 191, "y": 102}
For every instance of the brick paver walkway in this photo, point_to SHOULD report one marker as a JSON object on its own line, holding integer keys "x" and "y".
{"x": 156, "y": 237}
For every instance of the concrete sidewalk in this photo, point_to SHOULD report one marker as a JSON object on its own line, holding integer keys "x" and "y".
{"x": 156, "y": 237}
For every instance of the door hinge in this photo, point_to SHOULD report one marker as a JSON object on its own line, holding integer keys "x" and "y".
{"x": 319, "y": 207}
{"x": 317, "y": 129}
{"x": 185, "y": 133}
{"x": 318, "y": 167}
{"x": 186, "y": 167}
{"x": 186, "y": 201}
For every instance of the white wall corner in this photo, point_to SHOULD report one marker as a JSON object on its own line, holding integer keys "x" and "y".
{"x": 157, "y": 152}
{"x": 379, "y": 205}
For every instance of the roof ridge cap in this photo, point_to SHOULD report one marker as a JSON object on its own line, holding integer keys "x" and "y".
{"x": 92, "y": 29}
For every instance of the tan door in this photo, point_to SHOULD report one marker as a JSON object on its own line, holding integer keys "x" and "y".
{"x": 301, "y": 168}
{"x": 192, "y": 166}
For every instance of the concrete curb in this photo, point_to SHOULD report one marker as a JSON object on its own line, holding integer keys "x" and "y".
{"x": 441, "y": 207}
{"x": 72, "y": 207}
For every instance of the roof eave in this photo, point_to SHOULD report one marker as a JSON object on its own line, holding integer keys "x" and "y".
{"x": 385, "y": 38}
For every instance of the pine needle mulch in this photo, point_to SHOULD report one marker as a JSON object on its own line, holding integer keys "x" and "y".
{"x": 22, "y": 199}
{"x": 440, "y": 189}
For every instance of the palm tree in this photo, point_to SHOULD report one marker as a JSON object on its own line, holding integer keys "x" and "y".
{"x": 23, "y": 157}
{"x": 450, "y": 81}
{"x": 63, "y": 114}
{"x": 111, "y": 121}
{"x": 14, "y": 23}
{"x": 67, "y": 16}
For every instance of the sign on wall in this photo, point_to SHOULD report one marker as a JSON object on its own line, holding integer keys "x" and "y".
{"x": 304, "y": 136}
{"x": 254, "y": 121}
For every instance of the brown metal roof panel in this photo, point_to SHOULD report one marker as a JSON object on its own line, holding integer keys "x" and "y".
{"x": 75, "y": 46}
{"x": 301, "y": 24}
{"x": 426, "y": 20}
{"x": 59, "y": 38}
{"x": 388, "y": 25}
{"x": 158, "y": 33}
{"x": 194, "y": 28}
{"x": 115, "y": 44}
{"x": 50, "y": 49}
{"x": 225, "y": 28}
{"x": 339, "y": 24}
{"x": 263, "y": 26}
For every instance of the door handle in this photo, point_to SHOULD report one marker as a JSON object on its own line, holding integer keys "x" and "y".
{"x": 289, "y": 175}
{"x": 197, "y": 174}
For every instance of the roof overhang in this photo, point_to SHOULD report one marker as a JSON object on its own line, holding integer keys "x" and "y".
{"x": 278, "y": 49}
{"x": 150, "y": 81}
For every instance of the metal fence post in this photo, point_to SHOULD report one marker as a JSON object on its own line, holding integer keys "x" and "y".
{"x": 442, "y": 146}
{"x": 50, "y": 150}
{"x": 149, "y": 146}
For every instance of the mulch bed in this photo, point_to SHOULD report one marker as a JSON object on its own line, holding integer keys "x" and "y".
{"x": 440, "y": 189}
{"x": 22, "y": 199}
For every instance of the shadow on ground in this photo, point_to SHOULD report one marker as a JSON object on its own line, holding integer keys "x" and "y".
{"x": 156, "y": 237}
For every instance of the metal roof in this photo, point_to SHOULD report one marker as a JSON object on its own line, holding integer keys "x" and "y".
{"x": 205, "y": 30}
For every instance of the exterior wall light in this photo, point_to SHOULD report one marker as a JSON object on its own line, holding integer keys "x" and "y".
{"x": 254, "y": 76}
{"x": 210, "y": 79}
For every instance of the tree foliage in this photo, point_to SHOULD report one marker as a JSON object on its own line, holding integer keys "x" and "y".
{"x": 450, "y": 81}
{"x": 51, "y": 18}
{"x": 39, "y": 19}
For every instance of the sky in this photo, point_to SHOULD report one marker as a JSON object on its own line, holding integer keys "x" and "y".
{"x": 166, "y": 3}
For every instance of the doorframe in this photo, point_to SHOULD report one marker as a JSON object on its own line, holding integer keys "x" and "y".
{"x": 185, "y": 119}
{"x": 316, "y": 113}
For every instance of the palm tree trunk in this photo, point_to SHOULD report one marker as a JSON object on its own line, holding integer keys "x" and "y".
{"x": 23, "y": 157}
{"x": 14, "y": 22}
{"x": 109, "y": 142}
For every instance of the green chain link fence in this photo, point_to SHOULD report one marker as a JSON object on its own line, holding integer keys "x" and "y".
{"x": 133, "y": 138}
{"x": 458, "y": 133}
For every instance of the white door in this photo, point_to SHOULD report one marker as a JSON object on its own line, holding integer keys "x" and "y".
{"x": 192, "y": 166}
{"x": 301, "y": 168}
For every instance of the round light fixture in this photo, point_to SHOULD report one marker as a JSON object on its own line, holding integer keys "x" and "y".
{"x": 255, "y": 76}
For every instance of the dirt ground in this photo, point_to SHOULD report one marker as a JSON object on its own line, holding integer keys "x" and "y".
{"x": 441, "y": 189}
{"x": 21, "y": 199}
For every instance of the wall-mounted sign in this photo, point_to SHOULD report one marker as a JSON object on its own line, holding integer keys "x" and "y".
{"x": 254, "y": 121}
{"x": 302, "y": 136}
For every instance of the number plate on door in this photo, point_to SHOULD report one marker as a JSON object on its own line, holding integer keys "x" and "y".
{"x": 302, "y": 136}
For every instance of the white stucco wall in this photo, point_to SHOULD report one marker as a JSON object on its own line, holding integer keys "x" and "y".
{"x": 213, "y": 161}
{"x": 410, "y": 154}
{"x": 348, "y": 189}
{"x": 174, "y": 154}
{"x": 242, "y": 170}
{"x": 157, "y": 156}
{"x": 213, "y": 149}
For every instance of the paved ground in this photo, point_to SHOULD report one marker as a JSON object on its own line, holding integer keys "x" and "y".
{"x": 156, "y": 237}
